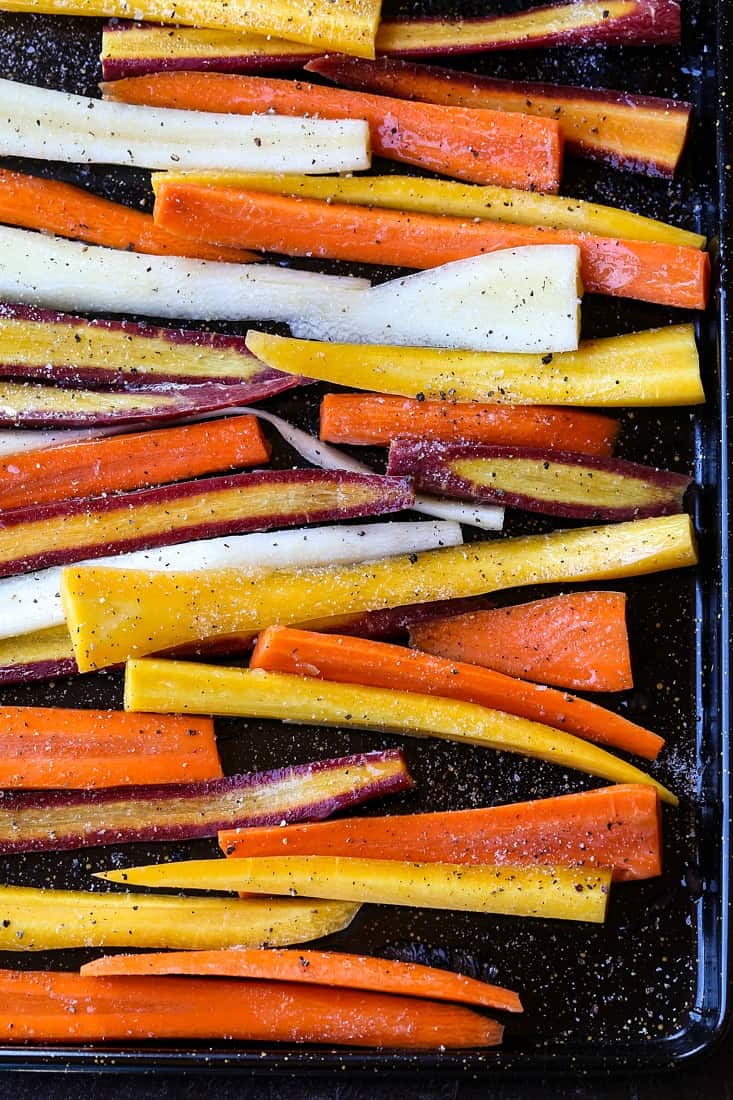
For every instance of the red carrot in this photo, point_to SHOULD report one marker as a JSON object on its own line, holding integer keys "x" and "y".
{"x": 576, "y": 641}
{"x": 377, "y": 419}
{"x": 361, "y": 661}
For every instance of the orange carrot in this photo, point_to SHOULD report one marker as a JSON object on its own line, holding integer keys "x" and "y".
{"x": 670, "y": 275}
{"x": 130, "y": 461}
{"x": 377, "y": 419}
{"x": 617, "y": 827}
{"x": 54, "y": 1006}
{"x": 478, "y": 146}
{"x": 51, "y": 206}
{"x": 361, "y": 661}
{"x": 47, "y": 747}
{"x": 314, "y": 968}
{"x": 576, "y": 641}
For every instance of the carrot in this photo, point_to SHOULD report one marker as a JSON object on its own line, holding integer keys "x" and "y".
{"x": 377, "y": 419}
{"x": 477, "y": 146}
{"x": 577, "y": 641}
{"x": 330, "y": 968}
{"x": 617, "y": 827}
{"x": 54, "y": 1006}
{"x": 49, "y": 747}
{"x": 51, "y": 206}
{"x": 135, "y": 461}
{"x": 670, "y": 275}
{"x": 380, "y": 664}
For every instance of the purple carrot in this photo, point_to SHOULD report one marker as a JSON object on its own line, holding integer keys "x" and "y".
{"x": 555, "y": 483}
{"x": 70, "y": 531}
{"x": 50, "y": 820}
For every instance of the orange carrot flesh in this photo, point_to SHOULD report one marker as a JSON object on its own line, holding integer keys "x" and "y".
{"x": 576, "y": 641}
{"x": 617, "y": 827}
{"x": 381, "y": 664}
{"x": 130, "y": 461}
{"x": 51, "y": 747}
{"x": 330, "y": 968}
{"x": 56, "y": 1007}
{"x": 31, "y": 202}
{"x": 376, "y": 419}
{"x": 671, "y": 275}
{"x": 477, "y": 146}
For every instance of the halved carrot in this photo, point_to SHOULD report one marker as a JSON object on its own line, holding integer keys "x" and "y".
{"x": 54, "y": 1006}
{"x": 330, "y": 968}
{"x": 50, "y": 747}
{"x": 377, "y": 419}
{"x": 670, "y": 275}
{"x": 578, "y": 640}
{"x": 617, "y": 827}
{"x": 477, "y": 146}
{"x": 135, "y": 461}
{"x": 51, "y": 206}
{"x": 381, "y": 664}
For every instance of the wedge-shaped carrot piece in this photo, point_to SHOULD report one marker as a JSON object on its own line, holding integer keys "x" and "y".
{"x": 131, "y": 461}
{"x": 42, "y": 1006}
{"x": 361, "y": 661}
{"x": 602, "y": 372}
{"x": 331, "y": 968}
{"x": 186, "y": 687}
{"x": 638, "y": 133}
{"x": 113, "y": 615}
{"x": 51, "y": 920}
{"x": 670, "y": 275}
{"x": 617, "y": 827}
{"x": 578, "y": 640}
{"x": 478, "y": 146}
{"x": 556, "y": 483}
{"x": 33, "y": 202}
{"x": 558, "y": 893}
{"x": 52, "y": 747}
{"x": 459, "y": 200}
{"x": 368, "y": 418}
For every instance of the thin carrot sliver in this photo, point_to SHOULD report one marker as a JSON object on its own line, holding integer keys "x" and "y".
{"x": 380, "y": 664}
{"x": 330, "y": 968}
{"x": 130, "y": 461}
{"x": 577, "y": 641}
{"x": 51, "y": 206}
{"x": 376, "y": 419}
{"x": 671, "y": 275}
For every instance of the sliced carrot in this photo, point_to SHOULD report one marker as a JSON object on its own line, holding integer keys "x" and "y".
{"x": 617, "y": 827}
{"x": 380, "y": 664}
{"x": 671, "y": 275}
{"x": 135, "y": 461}
{"x": 57, "y": 1006}
{"x": 47, "y": 747}
{"x": 477, "y": 146}
{"x": 314, "y": 968}
{"x": 52, "y": 206}
{"x": 577, "y": 641}
{"x": 377, "y": 419}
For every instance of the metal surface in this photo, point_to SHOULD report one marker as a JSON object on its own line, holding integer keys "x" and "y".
{"x": 647, "y": 990}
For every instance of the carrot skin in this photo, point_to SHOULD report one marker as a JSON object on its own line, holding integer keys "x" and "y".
{"x": 358, "y": 660}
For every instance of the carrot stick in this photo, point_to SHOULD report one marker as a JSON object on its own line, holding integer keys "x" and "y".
{"x": 377, "y": 419}
{"x": 49, "y": 747}
{"x": 51, "y": 206}
{"x": 54, "y": 1006}
{"x": 477, "y": 146}
{"x": 670, "y": 275}
{"x": 130, "y": 461}
{"x": 380, "y": 664}
{"x": 617, "y": 827}
{"x": 576, "y": 641}
{"x": 330, "y": 968}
